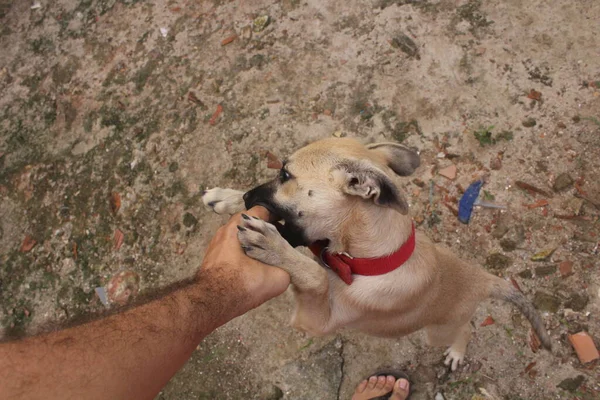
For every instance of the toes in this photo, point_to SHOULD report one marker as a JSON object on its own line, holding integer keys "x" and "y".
{"x": 250, "y": 238}
{"x": 258, "y": 225}
{"x": 361, "y": 386}
{"x": 372, "y": 382}
{"x": 454, "y": 359}
{"x": 401, "y": 390}
{"x": 380, "y": 382}
{"x": 389, "y": 383}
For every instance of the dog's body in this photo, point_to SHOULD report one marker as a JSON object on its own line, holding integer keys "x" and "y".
{"x": 346, "y": 193}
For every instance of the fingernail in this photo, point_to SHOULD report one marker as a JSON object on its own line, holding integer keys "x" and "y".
{"x": 245, "y": 216}
{"x": 403, "y": 384}
{"x": 241, "y": 228}
{"x": 246, "y": 248}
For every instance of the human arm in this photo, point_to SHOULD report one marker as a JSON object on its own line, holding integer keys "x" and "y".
{"x": 133, "y": 354}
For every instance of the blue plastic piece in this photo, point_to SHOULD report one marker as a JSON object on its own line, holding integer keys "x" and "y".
{"x": 467, "y": 201}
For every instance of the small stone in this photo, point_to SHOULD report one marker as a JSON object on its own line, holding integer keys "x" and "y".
{"x": 497, "y": 261}
{"x": 508, "y": 244}
{"x": 529, "y": 122}
{"x": 561, "y": 125}
{"x": 418, "y": 182}
{"x": 566, "y": 268}
{"x": 189, "y": 220}
{"x": 526, "y": 274}
{"x": 571, "y": 384}
{"x": 576, "y": 119}
{"x": 406, "y": 45}
{"x": 496, "y": 163}
{"x": 449, "y": 172}
{"x": 502, "y": 226}
{"x": 260, "y": 23}
{"x": 174, "y": 166}
{"x": 543, "y": 255}
{"x": 577, "y": 302}
{"x": 562, "y": 182}
{"x": 584, "y": 346}
{"x": 546, "y": 302}
{"x": 545, "y": 270}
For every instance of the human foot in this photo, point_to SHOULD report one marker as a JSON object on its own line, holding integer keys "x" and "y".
{"x": 377, "y": 386}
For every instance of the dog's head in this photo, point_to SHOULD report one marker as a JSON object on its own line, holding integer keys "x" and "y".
{"x": 328, "y": 183}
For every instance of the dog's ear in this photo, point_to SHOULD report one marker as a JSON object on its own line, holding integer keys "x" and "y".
{"x": 364, "y": 179}
{"x": 401, "y": 159}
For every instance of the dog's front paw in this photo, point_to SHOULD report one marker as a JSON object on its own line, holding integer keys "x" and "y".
{"x": 454, "y": 357}
{"x": 261, "y": 241}
{"x": 224, "y": 201}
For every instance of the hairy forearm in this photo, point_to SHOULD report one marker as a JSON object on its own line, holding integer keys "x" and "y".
{"x": 128, "y": 355}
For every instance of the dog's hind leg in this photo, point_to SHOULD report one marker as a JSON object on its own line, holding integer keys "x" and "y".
{"x": 224, "y": 201}
{"x": 456, "y": 336}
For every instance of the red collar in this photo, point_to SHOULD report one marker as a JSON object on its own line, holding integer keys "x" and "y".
{"x": 346, "y": 266}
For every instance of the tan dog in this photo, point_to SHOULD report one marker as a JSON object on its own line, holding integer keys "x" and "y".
{"x": 347, "y": 193}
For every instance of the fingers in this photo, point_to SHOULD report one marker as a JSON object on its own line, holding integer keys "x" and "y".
{"x": 258, "y": 211}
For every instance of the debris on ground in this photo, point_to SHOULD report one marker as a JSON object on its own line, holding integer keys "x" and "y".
{"x": 406, "y": 45}
{"x": 27, "y": 244}
{"x": 102, "y": 296}
{"x": 584, "y": 347}
{"x": 118, "y": 238}
{"x": 529, "y": 122}
{"x": 534, "y": 95}
{"x": 215, "y": 116}
{"x": 566, "y": 268}
{"x": 467, "y": 201}
{"x": 562, "y": 182}
{"x": 543, "y": 255}
{"x": 123, "y": 286}
{"x": 488, "y": 321}
{"x": 533, "y": 190}
{"x": 260, "y": 23}
{"x": 273, "y": 162}
{"x": 115, "y": 202}
{"x": 449, "y": 172}
{"x": 228, "y": 39}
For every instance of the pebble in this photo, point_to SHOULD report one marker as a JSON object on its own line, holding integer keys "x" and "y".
{"x": 545, "y": 270}
{"x": 546, "y": 302}
{"x": 497, "y": 261}
{"x": 260, "y": 23}
{"x": 562, "y": 181}
{"x": 449, "y": 172}
{"x": 529, "y": 122}
{"x": 571, "y": 384}
{"x": 584, "y": 346}
{"x": 406, "y": 44}
{"x": 566, "y": 268}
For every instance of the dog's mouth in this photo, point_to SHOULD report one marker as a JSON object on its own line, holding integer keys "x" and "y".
{"x": 287, "y": 228}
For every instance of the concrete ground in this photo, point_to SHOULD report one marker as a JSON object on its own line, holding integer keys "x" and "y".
{"x": 110, "y": 129}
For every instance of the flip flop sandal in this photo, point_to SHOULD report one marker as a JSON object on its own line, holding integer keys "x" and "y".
{"x": 396, "y": 375}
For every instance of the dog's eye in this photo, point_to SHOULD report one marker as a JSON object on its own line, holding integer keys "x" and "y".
{"x": 284, "y": 176}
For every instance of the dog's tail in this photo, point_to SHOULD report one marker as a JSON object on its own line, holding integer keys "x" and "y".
{"x": 504, "y": 290}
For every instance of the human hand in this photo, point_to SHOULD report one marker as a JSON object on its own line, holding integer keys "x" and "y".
{"x": 226, "y": 260}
